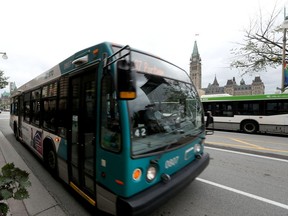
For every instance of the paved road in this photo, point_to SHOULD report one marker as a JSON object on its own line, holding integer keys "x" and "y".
{"x": 270, "y": 145}
{"x": 234, "y": 184}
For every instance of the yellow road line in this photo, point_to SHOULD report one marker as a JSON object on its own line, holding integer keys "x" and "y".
{"x": 246, "y": 143}
{"x": 247, "y": 146}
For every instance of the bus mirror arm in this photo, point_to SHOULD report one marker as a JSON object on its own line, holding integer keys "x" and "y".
{"x": 125, "y": 80}
{"x": 125, "y": 73}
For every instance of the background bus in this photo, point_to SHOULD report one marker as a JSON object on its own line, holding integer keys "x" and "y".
{"x": 252, "y": 113}
{"x": 123, "y": 128}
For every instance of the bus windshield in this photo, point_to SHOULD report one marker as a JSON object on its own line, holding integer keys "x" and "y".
{"x": 166, "y": 113}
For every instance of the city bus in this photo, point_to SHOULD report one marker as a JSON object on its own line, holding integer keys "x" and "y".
{"x": 124, "y": 128}
{"x": 267, "y": 113}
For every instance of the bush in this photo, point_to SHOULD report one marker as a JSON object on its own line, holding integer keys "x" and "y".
{"x": 13, "y": 184}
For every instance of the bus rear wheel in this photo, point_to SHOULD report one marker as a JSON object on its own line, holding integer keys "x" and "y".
{"x": 250, "y": 127}
{"x": 16, "y": 132}
{"x": 50, "y": 160}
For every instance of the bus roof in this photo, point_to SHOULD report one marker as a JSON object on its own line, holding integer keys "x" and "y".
{"x": 211, "y": 98}
{"x": 85, "y": 57}
{"x": 89, "y": 55}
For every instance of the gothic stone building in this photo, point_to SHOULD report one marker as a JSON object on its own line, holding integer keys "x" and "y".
{"x": 231, "y": 87}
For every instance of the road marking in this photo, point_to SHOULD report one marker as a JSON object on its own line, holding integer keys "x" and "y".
{"x": 247, "y": 154}
{"x": 246, "y": 146}
{"x": 262, "y": 199}
{"x": 246, "y": 143}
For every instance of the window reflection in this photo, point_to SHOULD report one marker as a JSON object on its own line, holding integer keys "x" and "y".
{"x": 165, "y": 108}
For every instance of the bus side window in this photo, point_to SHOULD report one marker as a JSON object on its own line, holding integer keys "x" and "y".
{"x": 272, "y": 108}
{"x": 110, "y": 122}
{"x": 49, "y": 114}
{"x": 227, "y": 110}
{"x": 27, "y": 107}
{"x": 35, "y": 108}
{"x": 62, "y": 115}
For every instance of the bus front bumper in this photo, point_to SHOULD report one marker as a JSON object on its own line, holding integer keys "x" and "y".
{"x": 150, "y": 199}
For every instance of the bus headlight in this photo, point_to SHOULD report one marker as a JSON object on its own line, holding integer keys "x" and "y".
{"x": 151, "y": 173}
{"x": 197, "y": 148}
{"x": 197, "y": 151}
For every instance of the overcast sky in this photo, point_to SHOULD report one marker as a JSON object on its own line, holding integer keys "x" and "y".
{"x": 37, "y": 35}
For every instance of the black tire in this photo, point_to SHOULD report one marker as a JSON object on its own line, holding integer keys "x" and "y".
{"x": 16, "y": 133}
{"x": 250, "y": 127}
{"x": 50, "y": 160}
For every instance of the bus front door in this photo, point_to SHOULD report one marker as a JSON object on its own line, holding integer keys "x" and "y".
{"x": 82, "y": 137}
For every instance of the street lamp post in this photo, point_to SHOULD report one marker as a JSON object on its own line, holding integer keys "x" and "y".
{"x": 4, "y": 55}
{"x": 284, "y": 26}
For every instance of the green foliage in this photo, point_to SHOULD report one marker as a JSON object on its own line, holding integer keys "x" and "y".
{"x": 3, "y": 209}
{"x": 3, "y": 80}
{"x": 13, "y": 184}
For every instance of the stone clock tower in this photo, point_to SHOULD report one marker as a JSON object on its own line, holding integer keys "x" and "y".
{"x": 195, "y": 67}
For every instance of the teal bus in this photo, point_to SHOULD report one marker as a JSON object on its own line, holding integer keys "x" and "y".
{"x": 265, "y": 113}
{"x": 124, "y": 128}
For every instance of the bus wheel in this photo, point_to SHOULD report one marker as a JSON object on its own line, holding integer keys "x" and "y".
{"x": 16, "y": 131}
{"x": 250, "y": 127}
{"x": 50, "y": 160}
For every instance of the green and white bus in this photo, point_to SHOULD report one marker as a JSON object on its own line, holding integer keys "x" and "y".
{"x": 125, "y": 129}
{"x": 266, "y": 113}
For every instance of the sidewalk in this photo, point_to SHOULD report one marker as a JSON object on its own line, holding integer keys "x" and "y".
{"x": 41, "y": 202}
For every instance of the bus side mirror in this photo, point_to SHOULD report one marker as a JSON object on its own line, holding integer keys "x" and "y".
{"x": 209, "y": 123}
{"x": 126, "y": 87}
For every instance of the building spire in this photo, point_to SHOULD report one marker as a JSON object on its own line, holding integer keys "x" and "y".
{"x": 195, "y": 50}
{"x": 195, "y": 67}
{"x": 215, "y": 83}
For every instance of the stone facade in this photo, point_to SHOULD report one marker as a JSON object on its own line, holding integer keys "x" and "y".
{"x": 232, "y": 88}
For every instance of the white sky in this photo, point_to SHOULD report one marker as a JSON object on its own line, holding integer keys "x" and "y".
{"x": 37, "y": 35}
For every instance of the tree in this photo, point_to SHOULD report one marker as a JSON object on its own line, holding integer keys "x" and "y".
{"x": 3, "y": 80}
{"x": 262, "y": 45}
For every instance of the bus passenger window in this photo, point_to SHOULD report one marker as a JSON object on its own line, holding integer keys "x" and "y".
{"x": 27, "y": 107}
{"x": 27, "y": 111}
{"x": 272, "y": 108}
{"x": 110, "y": 122}
{"x": 35, "y": 112}
{"x": 49, "y": 114}
{"x": 35, "y": 108}
{"x": 62, "y": 115}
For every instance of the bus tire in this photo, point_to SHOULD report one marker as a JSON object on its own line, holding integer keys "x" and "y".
{"x": 50, "y": 159}
{"x": 16, "y": 133}
{"x": 250, "y": 126}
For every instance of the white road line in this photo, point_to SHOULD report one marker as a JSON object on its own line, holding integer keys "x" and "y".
{"x": 281, "y": 205}
{"x": 247, "y": 154}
